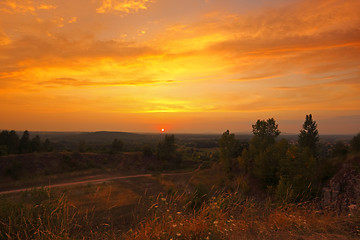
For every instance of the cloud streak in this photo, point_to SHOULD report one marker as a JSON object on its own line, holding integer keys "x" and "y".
{"x": 24, "y": 6}
{"x": 123, "y": 6}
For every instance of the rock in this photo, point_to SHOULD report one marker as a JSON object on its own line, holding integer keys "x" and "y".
{"x": 342, "y": 192}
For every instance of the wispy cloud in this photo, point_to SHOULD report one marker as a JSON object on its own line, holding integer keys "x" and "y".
{"x": 79, "y": 83}
{"x": 24, "y": 6}
{"x": 123, "y": 6}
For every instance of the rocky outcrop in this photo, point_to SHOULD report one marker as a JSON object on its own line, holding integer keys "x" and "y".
{"x": 342, "y": 192}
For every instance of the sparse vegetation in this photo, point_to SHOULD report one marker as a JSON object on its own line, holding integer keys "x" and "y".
{"x": 268, "y": 187}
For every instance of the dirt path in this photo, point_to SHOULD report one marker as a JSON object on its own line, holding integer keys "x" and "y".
{"x": 94, "y": 181}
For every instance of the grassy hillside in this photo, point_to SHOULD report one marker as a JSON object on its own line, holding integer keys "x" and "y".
{"x": 108, "y": 214}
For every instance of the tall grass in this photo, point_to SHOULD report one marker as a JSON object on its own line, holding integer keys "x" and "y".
{"x": 37, "y": 214}
{"x": 41, "y": 214}
{"x": 231, "y": 216}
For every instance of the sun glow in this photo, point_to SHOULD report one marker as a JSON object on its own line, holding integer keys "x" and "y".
{"x": 162, "y": 130}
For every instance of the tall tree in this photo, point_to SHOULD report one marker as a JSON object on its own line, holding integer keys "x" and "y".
{"x": 13, "y": 142}
{"x": 262, "y": 157}
{"x": 267, "y": 128}
{"x": 265, "y": 133}
{"x": 309, "y": 135}
{"x": 229, "y": 150}
{"x": 25, "y": 143}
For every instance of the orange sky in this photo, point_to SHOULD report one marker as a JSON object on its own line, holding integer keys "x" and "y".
{"x": 186, "y": 66}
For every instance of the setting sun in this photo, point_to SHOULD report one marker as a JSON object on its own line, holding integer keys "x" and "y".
{"x": 162, "y": 130}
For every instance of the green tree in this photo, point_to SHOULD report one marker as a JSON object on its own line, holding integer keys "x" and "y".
{"x": 355, "y": 143}
{"x": 309, "y": 135}
{"x": 229, "y": 150}
{"x": 266, "y": 129}
{"x": 297, "y": 175}
{"x": 262, "y": 158}
{"x": 265, "y": 133}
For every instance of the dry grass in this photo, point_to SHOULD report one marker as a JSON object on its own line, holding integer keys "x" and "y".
{"x": 228, "y": 216}
{"x": 41, "y": 214}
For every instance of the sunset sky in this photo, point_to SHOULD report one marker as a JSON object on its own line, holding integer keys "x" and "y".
{"x": 191, "y": 66}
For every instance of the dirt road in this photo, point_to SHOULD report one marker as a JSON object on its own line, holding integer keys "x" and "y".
{"x": 94, "y": 181}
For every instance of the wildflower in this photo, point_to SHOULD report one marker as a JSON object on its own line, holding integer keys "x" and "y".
{"x": 163, "y": 199}
{"x": 216, "y": 222}
{"x": 174, "y": 225}
{"x": 178, "y": 213}
{"x": 178, "y": 234}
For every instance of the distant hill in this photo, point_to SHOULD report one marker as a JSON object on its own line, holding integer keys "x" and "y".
{"x": 95, "y": 137}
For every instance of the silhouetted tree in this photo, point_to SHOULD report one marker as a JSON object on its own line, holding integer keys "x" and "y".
{"x": 265, "y": 133}
{"x": 266, "y": 129}
{"x": 13, "y": 142}
{"x": 262, "y": 157}
{"x": 309, "y": 136}
{"x": 25, "y": 143}
{"x": 229, "y": 150}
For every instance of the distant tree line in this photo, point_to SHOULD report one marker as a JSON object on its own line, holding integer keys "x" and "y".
{"x": 11, "y": 143}
{"x": 291, "y": 172}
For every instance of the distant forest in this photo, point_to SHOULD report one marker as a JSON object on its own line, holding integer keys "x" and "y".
{"x": 11, "y": 143}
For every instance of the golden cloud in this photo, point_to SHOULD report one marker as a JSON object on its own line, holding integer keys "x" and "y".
{"x": 23, "y": 6}
{"x": 79, "y": 83}
{"x": 123, "y": 6}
